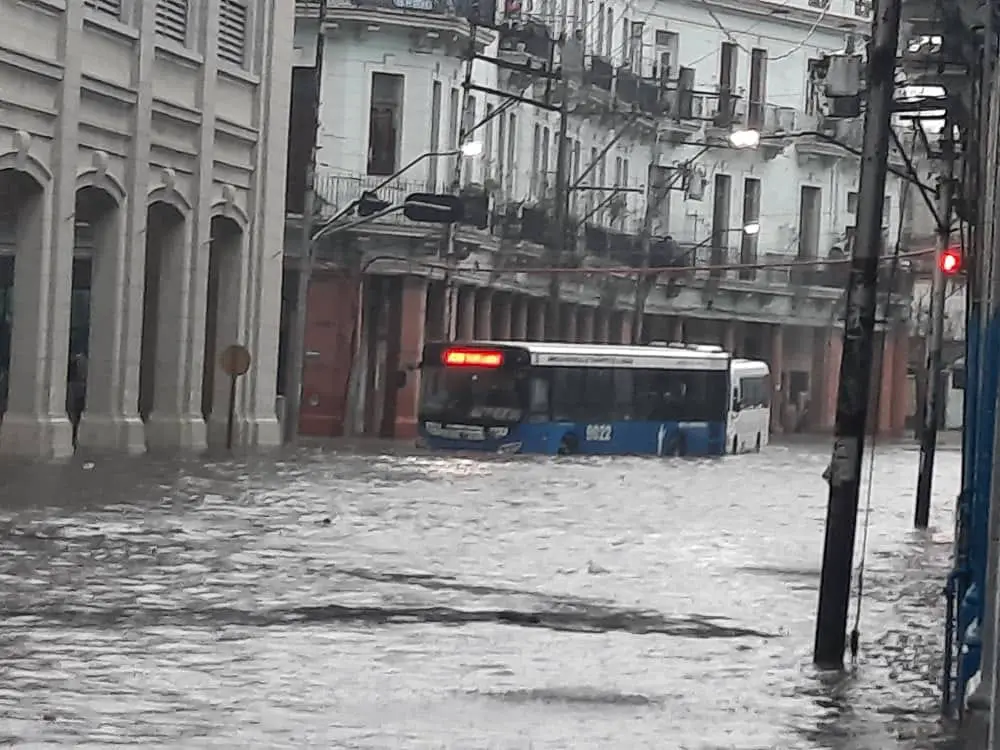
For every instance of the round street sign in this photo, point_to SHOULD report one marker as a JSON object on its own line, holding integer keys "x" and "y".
{"x": 235, "y": 360}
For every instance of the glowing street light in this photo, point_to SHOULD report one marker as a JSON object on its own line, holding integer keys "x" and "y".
{"x": 471, "y": 148}
{"x": 744, "y": 139}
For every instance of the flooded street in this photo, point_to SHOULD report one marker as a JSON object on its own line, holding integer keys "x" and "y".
{"x": 341, "y": 600}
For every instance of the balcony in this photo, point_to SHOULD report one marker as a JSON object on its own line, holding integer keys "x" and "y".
{"x": 678, "y": 123}
{"x": 605, "y": 246}
{"x": 435, "y": 22}
{"x": 824, "y": 147}
{"x": 598, "y": 79}
{"x": 777, "y": 126}
{"x": 335, "y": 192}
{"x": 527, "y": 43}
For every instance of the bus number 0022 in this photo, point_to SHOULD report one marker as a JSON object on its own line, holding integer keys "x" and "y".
{"x": 598, "y": 432}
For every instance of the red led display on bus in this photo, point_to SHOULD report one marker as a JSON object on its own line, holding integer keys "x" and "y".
{"x": 472, "y": 358}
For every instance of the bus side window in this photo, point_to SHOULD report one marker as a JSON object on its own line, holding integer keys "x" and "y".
{"x": 624, "y": 395}
{"x": 569, "y": 393}
{"x": 538, "y": 399}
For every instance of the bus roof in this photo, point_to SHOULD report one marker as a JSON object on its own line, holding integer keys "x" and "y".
{"x": 553, "y": 354}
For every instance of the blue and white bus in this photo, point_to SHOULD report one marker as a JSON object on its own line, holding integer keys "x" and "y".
{"x": 552, "y": 398}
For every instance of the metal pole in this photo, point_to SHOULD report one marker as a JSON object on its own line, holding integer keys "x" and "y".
{"x": 859, "y": 334}
{"x": 456, "y": 185}
{"x": 295, "y": 352}
{"x": 932, "y": 390}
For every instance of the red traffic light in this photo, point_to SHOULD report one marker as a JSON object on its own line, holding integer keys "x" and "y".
{"x": 950, "y": 262}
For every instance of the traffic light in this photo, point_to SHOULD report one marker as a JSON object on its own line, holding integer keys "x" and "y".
{"x": 370, "y": 204}
{"x": 433, "y": 208}
{"x": 950, "y": 261}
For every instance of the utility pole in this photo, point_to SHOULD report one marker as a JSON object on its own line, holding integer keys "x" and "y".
{"x": 932, "y": 391}
{"x": 656, "y": 192}
{"x": 561, "y": 208}
{"x": 857, "y": 359}
{"x": 296, "y": 351}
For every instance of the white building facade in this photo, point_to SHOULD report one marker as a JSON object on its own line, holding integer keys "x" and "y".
{"x": 803, "y": 191}
{"x": 142, "y": 157}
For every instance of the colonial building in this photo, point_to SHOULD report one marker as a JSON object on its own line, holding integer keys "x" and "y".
{"x": 653, "y": 92}
{"x": 142, "y": 157}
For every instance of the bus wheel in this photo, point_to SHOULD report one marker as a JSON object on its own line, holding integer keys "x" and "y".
{"x": 568, "y": 445}
{"x": 736, "y": 446}
{"x": 756, "y": 447}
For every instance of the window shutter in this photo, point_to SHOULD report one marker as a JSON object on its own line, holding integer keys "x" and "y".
{"x": 233, "y": 31}
{"x": 111, "y": 7}
{"x": 172, "y": 20}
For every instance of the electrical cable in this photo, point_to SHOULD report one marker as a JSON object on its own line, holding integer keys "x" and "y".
{"x": 732, "y": 39}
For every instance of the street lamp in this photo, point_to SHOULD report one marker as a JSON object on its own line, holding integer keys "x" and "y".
{"x": 471, "y": 148}
{"x": 744, "y": 139}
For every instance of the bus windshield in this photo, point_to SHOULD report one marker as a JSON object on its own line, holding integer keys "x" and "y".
{"x": 473, "y": 395}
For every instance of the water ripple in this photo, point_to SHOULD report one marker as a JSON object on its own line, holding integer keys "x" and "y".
{"x": 383, "y": 599}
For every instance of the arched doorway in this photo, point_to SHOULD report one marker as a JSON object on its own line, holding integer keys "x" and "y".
{"x": 222, "y": 320}
{"x": 21, "y": 228}
{"x": 165, "y": 226}
{"x": 94, "y": 308}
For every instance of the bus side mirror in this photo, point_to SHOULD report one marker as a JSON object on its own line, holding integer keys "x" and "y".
{"x": 400, "y": 379}
{"x": 737, "y": 406}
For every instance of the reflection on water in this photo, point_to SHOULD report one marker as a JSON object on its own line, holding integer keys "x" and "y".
{"x": 410, "y": 601}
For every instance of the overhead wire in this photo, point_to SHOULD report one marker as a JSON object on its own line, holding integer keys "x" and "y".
{"x": 733, "y": 40}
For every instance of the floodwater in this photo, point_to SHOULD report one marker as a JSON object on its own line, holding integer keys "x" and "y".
{"x": 379, "y": 599}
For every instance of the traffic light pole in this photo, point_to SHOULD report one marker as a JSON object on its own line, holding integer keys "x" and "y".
{"x": 932, "y": 389}
{"x": 857, "y": 359}
{"x": 296, "y": 349}
{"x": 456, "y": 189}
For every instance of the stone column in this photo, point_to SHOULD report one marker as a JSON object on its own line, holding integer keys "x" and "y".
{"x": 777, "y": 365}
{"x": 228, "y": 280}
{"x": 585, "y": 325}
{"x": 537, "y": 313}
{"x": 519, "y": 324}
{"x": 437, "y": 312}
{"x": 603, "y": 326}
{"x": 624, "y": 327}
{"x": 111, "y": 419}
{"x": 887, "y": 359}
{"x": 484, "y": 314}
{"x": 678, "y": 332}
{"x": 466, "y": 315}
{"x": 831, "y": 379}
{"x": 502, "y": 306}
{"x": 35, "y": 423}
{"x": 413, "y": 302}
{"x": 730, "y": 338}
{"x": 570, "y": 323}
{"x": 901, "y": 381}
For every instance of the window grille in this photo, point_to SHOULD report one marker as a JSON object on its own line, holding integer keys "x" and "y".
{"x": 172, "y": 20}
{"x": 233, "y": 18}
